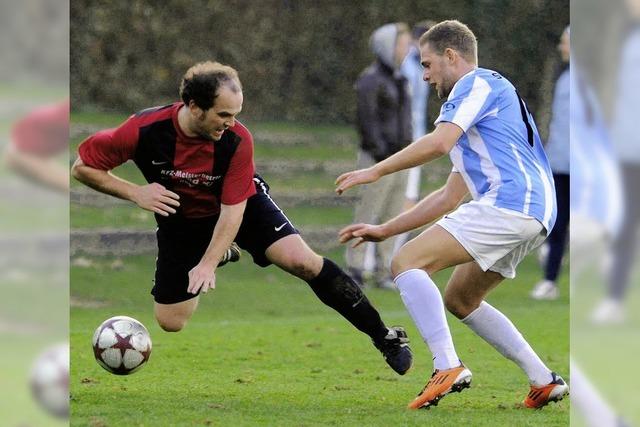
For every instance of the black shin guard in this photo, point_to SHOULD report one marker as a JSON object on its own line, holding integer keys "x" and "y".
{"x": 337, "y": 289}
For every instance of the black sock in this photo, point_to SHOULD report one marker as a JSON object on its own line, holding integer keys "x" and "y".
{"x": 337, "y": 289}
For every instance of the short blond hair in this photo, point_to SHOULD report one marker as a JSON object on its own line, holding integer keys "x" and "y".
{"x": 455, "y": 35}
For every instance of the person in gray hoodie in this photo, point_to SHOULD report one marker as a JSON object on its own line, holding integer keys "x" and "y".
{"x": 384, "y": 126}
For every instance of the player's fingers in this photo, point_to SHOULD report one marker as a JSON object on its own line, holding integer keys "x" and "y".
{"x": 361, "y": 232}
{"x": 169, "y": 201}
{"x": 171, "y": 194}
{"x": 349, "y": 229}
{"x": 358, "y": 242}
{"x": 344, "y": 238}
{"x": 165, "y": 208}
{"x": 197, "y": 285}
{"x": 346, "y": 184}
{"x": 342, "y": 178}
{"x": 159, "y": 211}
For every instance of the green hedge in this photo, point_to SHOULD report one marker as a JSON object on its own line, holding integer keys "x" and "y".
{"x": 297, "y": 59}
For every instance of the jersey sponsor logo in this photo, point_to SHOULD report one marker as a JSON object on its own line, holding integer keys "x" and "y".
{"x": 280, "y": 228}
{"x": 191, "y": 179}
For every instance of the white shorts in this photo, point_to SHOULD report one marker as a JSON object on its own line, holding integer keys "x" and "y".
{"x": 497, "y": 239}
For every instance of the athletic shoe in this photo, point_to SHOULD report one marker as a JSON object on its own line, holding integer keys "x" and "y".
{"x": 545, "y": 290}
{"x": 541, "y": 396}
{"x": 232, "y": 255}
{"x": 609, "y": 312}
{"x": 442, "y": 382}
{"x": 395, "y": 349}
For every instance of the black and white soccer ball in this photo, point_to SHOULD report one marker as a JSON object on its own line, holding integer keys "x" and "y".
{"x": 121, "y": 345}
{"x": 49, "y": 380}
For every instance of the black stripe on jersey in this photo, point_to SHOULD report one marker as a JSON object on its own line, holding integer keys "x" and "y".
{"x": 156, "y": 150}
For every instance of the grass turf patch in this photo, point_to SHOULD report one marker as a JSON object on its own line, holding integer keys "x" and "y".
{"x": 262, "y": 350}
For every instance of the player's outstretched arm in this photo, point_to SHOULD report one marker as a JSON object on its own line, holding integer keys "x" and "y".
{"x": 423, "y": 150}
{"x": 202, "y": 277}
{"x": 428, "y": 210}
{"x": 153, "y": 197}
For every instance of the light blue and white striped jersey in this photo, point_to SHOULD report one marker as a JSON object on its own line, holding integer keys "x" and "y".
{"x": 500, "y": 154}
{"x": 596, "y": 183}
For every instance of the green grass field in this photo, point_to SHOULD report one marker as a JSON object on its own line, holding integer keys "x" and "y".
{"x": 262, "y": 350}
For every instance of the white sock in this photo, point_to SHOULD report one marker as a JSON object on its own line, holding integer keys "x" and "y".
{"x": 424, "y": 303}
{"x": 496, "y": 329}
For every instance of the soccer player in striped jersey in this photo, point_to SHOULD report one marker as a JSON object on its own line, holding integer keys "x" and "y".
{"x": 498, "y": 157}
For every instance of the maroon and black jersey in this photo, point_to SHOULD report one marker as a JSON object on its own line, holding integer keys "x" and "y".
{"x": 203, "y": 173}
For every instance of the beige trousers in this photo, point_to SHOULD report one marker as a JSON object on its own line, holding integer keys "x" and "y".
{"x": 379, "y": 202}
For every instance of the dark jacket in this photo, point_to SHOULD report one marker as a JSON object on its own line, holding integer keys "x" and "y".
{"x": 384, "y": 111}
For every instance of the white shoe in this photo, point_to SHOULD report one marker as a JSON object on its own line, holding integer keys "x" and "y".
{"x": 609, "y": 312}
{"x": 545, "y": 290}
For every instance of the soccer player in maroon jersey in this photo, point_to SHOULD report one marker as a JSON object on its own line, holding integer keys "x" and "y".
{"x": 198, "y": 160}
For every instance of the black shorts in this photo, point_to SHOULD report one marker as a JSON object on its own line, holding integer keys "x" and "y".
{"x": 182, "y": 242}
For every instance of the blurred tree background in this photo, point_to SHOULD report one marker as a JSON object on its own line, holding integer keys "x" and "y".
{"x": 297, "y": 59}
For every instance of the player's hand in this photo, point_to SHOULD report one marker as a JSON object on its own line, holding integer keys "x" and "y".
{"x": 350, "y": 179}
{"x": 202, "y": 277}
{"x": 155, "y": 198}
{"x": 362, "y": 233}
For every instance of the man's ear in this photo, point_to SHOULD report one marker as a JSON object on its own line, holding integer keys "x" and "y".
{"x": 450, "y": 54}
{"x": 194, "y": 109}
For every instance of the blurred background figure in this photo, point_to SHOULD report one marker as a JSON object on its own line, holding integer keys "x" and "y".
{"x": 384, "y": 125}
{"x": 34, "y": 221}
{"x": 413, "y": 71}
{"x": 35, "y": 140}
{"x": 626, "y": 142}
{"x": 596, "y": 213}
{"x": 557, "y": 149}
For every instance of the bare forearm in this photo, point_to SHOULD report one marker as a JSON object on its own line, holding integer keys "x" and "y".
{"x": 104, "y": 182}
{"x": 431, "y": 208}
{"x": 423, "y": 150}
{"x": 223, "y": 234}
{"x": 426, "y": 211}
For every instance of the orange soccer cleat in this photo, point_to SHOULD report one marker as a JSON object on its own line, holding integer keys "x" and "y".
{"x": 538, "y": 397}
{"x": 441, "y": 383}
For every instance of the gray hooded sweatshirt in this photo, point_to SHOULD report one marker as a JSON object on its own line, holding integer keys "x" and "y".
{"x": 384, "y": 104}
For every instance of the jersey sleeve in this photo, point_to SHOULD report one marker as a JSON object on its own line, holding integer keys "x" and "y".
{"x": 110, "y": 148}
{"x": 44, "y": 132}
{"x": 238, "y": 183}
{"x": 469, "y": 102}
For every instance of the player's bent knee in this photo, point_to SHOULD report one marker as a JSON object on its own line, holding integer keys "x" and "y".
{"x": 171, "y": 325}
{"x": 301, "y": 265}
{"x": 459, "y": 307}
{"x": 405, "y": 260}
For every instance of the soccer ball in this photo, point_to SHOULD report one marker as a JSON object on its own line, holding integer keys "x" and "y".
{"x": 121, "y": 345}
{"x": 49, "y": 380}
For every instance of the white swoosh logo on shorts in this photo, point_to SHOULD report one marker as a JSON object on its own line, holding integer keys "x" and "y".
{"x": 156, "y": 163}
{"x": 280, "y": 228}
